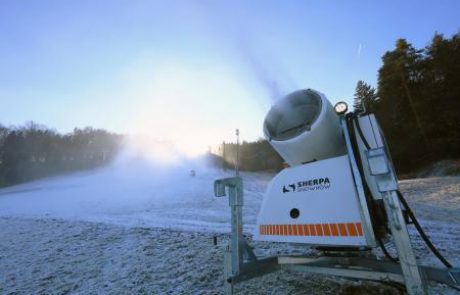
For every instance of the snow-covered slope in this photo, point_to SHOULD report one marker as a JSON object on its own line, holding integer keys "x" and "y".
{"x": 136, "y": 193}
{"x": 143, "y": 193}
{"x": 47, "y": 244}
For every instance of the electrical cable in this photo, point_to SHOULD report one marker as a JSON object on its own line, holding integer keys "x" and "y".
{"x": 368, "y": 147}
{"x": 354, "y": 147}
{"x": 421, "y": 232}
{"x": 409, "y": 211}
{"x": 361, "y": 134}
{"x": 352, "y": 117}
{"x": 385, "y": 251}
{"x": 453, "y": 287}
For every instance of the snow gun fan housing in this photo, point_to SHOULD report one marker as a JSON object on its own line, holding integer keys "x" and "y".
{"x": 303, "y": 127}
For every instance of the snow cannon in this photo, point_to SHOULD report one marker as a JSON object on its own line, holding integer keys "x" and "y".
{"x": 340, "y": 195}
{"x": 319, "y": 200}
{"x": 303, "y": 127}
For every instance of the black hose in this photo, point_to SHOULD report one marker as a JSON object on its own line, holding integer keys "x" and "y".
{"x": 355, "y": 149}
{"x": 361, "y": 134}
{"x": 453, "y": 287}
{"x": 368, "y": 147}
{"x": 385, "y": 251}
{"x": 409, "y": 212}
{"x": 421, "y": 232}
{"x": 370, "y": 200}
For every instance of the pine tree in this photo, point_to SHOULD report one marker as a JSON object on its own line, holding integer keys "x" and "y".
{"x": 365, "y": 98}
{"x": 399, "y": 109}
{"x": 441, "y": 94}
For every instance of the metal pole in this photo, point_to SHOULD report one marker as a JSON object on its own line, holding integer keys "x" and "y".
{"x": 237, "y": 162}
{"x": 236, "y": 207}
{"x": 223, "y": 157}
{"x": 412, "y": 276}
{"x": 233, "y": 260}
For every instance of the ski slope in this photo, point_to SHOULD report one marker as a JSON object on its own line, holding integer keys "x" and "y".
{"x": 142, "y": 193}
{"x": 143, "y": 227}
{"x": 136, "y": 193}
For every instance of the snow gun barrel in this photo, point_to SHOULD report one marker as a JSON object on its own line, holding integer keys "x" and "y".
{"x": 304, "y": 127}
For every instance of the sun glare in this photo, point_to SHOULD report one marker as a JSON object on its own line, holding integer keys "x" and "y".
{"x": 187, "y": 108}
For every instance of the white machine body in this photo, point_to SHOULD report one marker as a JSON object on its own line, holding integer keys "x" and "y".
{"x": 328, "y": 208}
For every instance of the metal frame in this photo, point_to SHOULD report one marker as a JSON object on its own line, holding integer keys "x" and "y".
{"x": 364, "y": 210}
{"x": 365, "y": 268}
{"x": 240, "y": 262}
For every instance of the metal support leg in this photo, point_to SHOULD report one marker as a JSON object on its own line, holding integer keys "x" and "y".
{"x": 233, "y": 259}
{"x": 228, "y": 282}
{"x": 237, "y": 242}
{"x": 364, "y": 268}
{"x": 248, "y": 253}
{"x": 236, "y": 269}
{"x": 412, "y": 276}
{"x": 380, "y": 167}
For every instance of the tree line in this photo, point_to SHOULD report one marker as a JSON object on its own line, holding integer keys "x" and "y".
{"x": 253, "y": 156}
{"x": 34, "y": 151}
{"x": 417, "y": 101}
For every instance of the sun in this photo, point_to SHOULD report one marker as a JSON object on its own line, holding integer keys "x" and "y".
{"x": 186, "y": 107}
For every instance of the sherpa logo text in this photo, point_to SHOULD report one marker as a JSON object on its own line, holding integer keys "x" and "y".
{"x": 308, "y": 185}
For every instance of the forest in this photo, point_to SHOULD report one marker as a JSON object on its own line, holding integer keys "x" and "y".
{"x": 417, "y": 101}
{"x": 34, "y": 151}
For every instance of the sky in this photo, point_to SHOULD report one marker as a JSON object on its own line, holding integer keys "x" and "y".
{"x": 193, "y": 71}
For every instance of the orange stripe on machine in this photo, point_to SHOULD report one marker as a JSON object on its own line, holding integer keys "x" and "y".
{"x": 324, "y": 229}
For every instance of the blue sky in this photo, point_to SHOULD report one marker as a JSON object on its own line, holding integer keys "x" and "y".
{"x": 193, "y": 69}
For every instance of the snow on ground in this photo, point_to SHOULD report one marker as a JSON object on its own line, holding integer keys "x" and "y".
{"x": 148, "y": 229}
{"x": 46, "y": 256}
{"x": 136, "y": 194}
